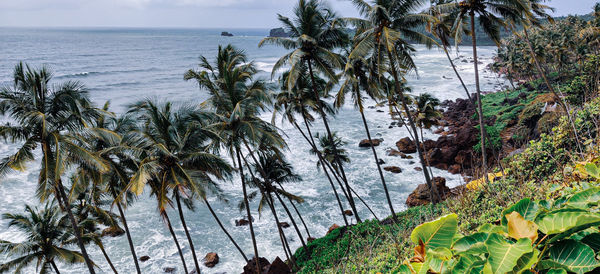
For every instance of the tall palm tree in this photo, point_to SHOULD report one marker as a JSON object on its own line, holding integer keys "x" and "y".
{"x": 443, "y": 29}
{"x": 176, "y": 157}
{"x": 358, "y": 75}
{"x": 236, "y": 100}
{"x": 489, "y": 14}
{"x": 43, "y": 116}
{"x": 426, "y": 115}
{"x": 384, "y": 30}
{"x": 46, "y": 240}
{"x": 313, "y": 40}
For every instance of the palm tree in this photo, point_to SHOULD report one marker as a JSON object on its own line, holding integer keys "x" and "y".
{"x": 236, "y": 101}
{"x": 46, "y": 240}
{"x": 44, "y": 116}
{"x": 489, "y": 14}
{"x": 313, "y": 40}
{"x": 300, "y": 101}
{"x": 357, "y": 75}
{"x": 383, "y": 32}
{"x": 176, "y": 158}
{"x": 426, "y": 115}
{"x": 443, "y": 29}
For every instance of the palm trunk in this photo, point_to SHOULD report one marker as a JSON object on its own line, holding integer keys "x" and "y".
{"x": 337, "y": 196}
{"x": 55, "y": 267}
{"x": 385, "y": 189}
{"x": 129, "y": 240}
{"x": 432, "y": 189}
{"x": 101, "y": 246}
{"x": 75, "y": 227}
{"x": 282, "y": 237}
{"x": 330, "y": 136}
{"x": 176, "y": 241}
{"x": 187, "y": 233}
{"x": 225, "y": 230}
{"x": 297, "y": 212}
{"x": 456, "y": 72}
{"x": 479, "y": 107}
{"x": 239, "y": 160}
{"x": 263, "y": 173}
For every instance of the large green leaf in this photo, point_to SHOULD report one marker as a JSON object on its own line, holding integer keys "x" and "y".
{"x": 585, "y": 198}
{"x": 503, "y": 256}
{"x": 526, "y": 207}
{"x": 526, "y": 261}
{"x": 556, "y": 271}
{"x": 562, "y": 220}
{"x": 468, "y": 263}
{"x": 438, "y": 233}
{"x": 570, "y": 255}
{"x": 593, "y": 241}
{"x": 474, "y": 243}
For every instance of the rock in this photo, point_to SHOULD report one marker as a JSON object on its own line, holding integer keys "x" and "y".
{"x": 420, "y": 196}
{"x": 348, "y": 212}
{"x": 406, "y": 145}
{"x": 284, "y": 225}
{"x": 418, "y": 168}
{"x": 113, "y": 231}
{"x": 393, "y": 169}
{"x": 227, "y": 34}
{"x": 169, "y": 269}
{"x": 379, "y": 110}
{"x": 242, "y": 222}
{"x": 144, "y": 258}
{"x": 278, "y": 32}
{"x": 211, "y": 259}
{"x": 381, "y": 162}
{"x": 310, "y": 239}
{"x": 332, "y": 228}
{"x": 454, "y": 169}
{"x": 250, "y": 267}
{"x": 278, "y": 267}
{"x": 373, "y": 142}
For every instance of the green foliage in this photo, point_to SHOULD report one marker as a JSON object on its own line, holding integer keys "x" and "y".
{"x": 493, "y": 141}
{"x": 514, "y": 246}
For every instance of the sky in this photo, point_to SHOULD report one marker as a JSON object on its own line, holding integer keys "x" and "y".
{"x": 179, "y": 13}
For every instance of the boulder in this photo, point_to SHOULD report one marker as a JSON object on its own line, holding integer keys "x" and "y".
{"x": 454, "y": 169}
{"x": 278, "y": 267}
{"x": 420, "y": 196}
{"x": 332, "y": 228}
{"x": 242, "y": 222}
{"x": 113, "y": 231}
{"x": 227, "y": 34}
{"x": 381, "y": 162}
{"x": 406, "y": 145}
{"x": 278, "y": 32}
{"x": 144, "y": 258}
{"x": 250, "y": 267}
{"x": 310, "y": 239}
{"x": 393, "y": 169}
{"x": 169, "y": 269}
{"x": 395, "y": 153}
{"x": 418, "y": 168}
{"x": 348, "y": 212}
{"x": 211, "y": 259}
{"x": 367, "y": 143}
{"x": 284, "y": 225}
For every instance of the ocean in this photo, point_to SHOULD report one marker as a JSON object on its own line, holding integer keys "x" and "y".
{"x": 124, "y": 66}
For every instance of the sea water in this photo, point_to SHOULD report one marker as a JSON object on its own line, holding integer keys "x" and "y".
{"x": 124, "y": 66}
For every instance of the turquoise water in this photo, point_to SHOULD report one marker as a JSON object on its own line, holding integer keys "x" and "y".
{"x": 127, "y": 65}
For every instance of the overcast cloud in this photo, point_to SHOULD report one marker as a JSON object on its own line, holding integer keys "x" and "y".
{"x": 178, "y": 13}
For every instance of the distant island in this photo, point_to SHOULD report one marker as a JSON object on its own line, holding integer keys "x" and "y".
{"x": 278, "y": 32}
{"x": 228, "y": 34}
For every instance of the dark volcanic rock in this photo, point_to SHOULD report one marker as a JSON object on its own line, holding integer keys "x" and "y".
{"x": 250, "y": 267}
{"x": 284, "y": 224}
{"x": 228, "y": 34}
{"x": 332, "y": 228}
{"x": 393, "y": 169}
{"x": 406, "y": 145}
{"x": 278, "y": 32}
{"x": 278, "y": 267}
{"x": 348, "y": 212}
{"x": 144, "y": 258}
{"x": 211, "y": 259}
{"x": 113, "y": 231}
{"x": 169, "y": 269}
{"x": 421, "y": 195}
{"x": 373, "y": 142}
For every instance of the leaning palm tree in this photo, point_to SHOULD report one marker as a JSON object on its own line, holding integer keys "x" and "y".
{"x": 358, "y": 82}
{"x": 426, "y": 115}
{"x": 313, "y": 41}
{"x": 489, "y": 14}
{"x": 176, "y": 157}
{"x": 46, "y": 240}
{"x": 44, "y": 116}
{"x": 384, "y": 32}
{"x": 236, "y": 100}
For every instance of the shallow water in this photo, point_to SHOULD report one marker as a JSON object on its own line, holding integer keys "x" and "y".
{"x": 127, "y": 65}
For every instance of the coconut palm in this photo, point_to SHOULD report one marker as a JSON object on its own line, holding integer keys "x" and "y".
{"x": 236, "y": 100}
{"x": 384, "y": 30}
{"x": 46, "y": 240}
{"x": 426, "y": 114}
{"x": 176, "y": 158}
{"x": 44, "y": 115}
{"x": 313, "y": 40}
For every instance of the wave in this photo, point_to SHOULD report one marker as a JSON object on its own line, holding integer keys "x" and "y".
{"x": 110, "y": 72}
